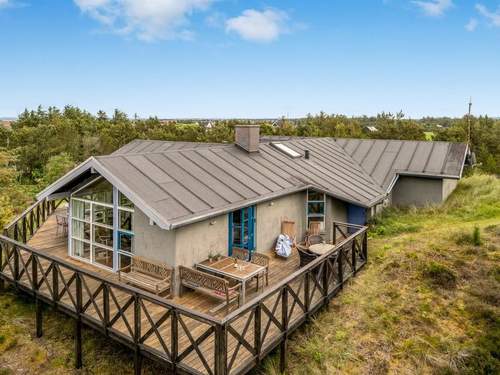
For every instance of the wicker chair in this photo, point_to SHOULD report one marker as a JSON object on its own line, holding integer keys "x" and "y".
{"x": 305, "y": 256}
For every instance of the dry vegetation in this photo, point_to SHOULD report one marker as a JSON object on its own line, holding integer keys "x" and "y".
{"x": 428, "y": 302}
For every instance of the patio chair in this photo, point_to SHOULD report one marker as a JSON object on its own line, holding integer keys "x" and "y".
{"x": 256, "y": 258}
{"x": 62, "y": 222}
{"x": 305, "y": 256}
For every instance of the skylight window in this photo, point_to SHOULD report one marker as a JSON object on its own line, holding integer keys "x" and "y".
{"x": 286, "y": 150}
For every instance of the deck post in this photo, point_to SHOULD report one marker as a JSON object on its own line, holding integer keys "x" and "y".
{"x": 334, "y": 233}
{"x": 365, "y": 246}
{"x": 38, "y": 216}
{"x": 257, "y": 332}
{"x": 174, "y": 331}
{"x": 220, "y": 350}
{"x": 15, "y": 254}
{"x": 2, "y": 281}
{"x": 306, "y": 293}
{"x": 137, "y": 336}
{"x": 55, "y": 282}
{"x": 353, "y": 256}
{"x": 105, "y": 302}
{"x": 16, "y": 232}
{"x": 325, "y": 282}
{"x": 341, "y": 268}
{"x": 78, "y": 323}
{"x": 284, "y": 323}
{"x": 24, "y": 235}
{"x": 38, "y": 303}
{"x": 38, "y": 317}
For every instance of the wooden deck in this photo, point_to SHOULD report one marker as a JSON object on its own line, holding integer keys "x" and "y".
{"x": 49, "y": 241}
{"x": 180, "y": 333}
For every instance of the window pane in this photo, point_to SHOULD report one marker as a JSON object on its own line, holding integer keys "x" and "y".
{"x": 237, "y": 234}
{"x": 126, "y": 220}
{"x": 101, "y": 191}
{"x": 103, "y": 215}
{"x": 125, "y": 202}
{"x": 124, "y": 260}
{"x": 313, "y": 195}
{"x": 237, "y": 217}
{"x": 103, "y": 256}
{"x": 103, "y": 235}
{"x": 80, "y": 230}
{"x": 81, "y": 249}
{"x": 316, "y": 208}
{"x": 80, "y": 210}
{"x": 125, "y": 242}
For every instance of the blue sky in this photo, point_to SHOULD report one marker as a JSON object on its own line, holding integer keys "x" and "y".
{"x": 235, "y": 58}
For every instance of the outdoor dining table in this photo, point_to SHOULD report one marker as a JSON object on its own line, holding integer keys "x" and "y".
{"x": 240, "y": 270}
{"x": 321, "y": 248}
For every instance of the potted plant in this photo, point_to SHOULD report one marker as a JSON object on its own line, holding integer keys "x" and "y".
{"x": 218, "y": 256}
{"x": 210, "y": 256}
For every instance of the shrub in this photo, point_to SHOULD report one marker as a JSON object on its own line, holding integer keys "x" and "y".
{"x": 476, "y": 236}
{"x": 467, "y": 238}
{"x": 440, "y": 275}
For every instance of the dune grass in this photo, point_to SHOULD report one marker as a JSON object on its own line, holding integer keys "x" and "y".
{"x": 428, "y": 301}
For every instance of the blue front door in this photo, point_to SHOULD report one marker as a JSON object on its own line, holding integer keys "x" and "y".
{"x": 355, "y": 215}
{"x": 242, "y": 229}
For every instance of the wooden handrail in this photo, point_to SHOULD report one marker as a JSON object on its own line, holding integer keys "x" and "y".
{"x": 124, "y": 287}
{"x": 250, "y": 304}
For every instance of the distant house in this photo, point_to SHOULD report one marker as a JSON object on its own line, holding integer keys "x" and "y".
{"x": 372, "y": 129}
{"x": 176, "y": 202}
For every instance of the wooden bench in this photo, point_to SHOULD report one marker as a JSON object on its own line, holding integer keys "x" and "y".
{"x": 210, "y": 285}
{"x": 151, "y": 276}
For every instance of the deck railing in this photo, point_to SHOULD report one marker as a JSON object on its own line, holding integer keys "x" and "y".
{"x": 180, "y": 338}
{"x": 25, "y": 225}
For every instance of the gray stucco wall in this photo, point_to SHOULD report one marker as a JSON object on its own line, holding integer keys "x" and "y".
{"x": 269, "y": 216}
{"x": 449, "y": 184}
{"x": 151, "y": 241}
{"x": 336, "y": 210}
{"x": 417, "y": 191}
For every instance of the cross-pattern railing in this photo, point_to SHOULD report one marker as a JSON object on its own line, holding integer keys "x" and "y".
{"x": 24, "y": 226}
{"x": 180, "y": 338}
{"x": 264, "y": 323}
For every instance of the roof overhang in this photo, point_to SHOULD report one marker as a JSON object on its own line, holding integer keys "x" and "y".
{"x": 93, "y": 164}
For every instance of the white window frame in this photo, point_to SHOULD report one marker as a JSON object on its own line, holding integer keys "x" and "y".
{"x": 115, "y": 228}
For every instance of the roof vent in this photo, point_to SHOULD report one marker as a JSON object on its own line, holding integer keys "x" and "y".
{"x": 247, "y": 137}
{"x": 286, "y": 150}
{"x": 306, "y": 154}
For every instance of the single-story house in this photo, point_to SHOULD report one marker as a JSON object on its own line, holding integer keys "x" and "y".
{"x": 177, "y": 202}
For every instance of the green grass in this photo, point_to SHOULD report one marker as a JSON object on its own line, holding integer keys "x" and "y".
{"x": 428, "y": 301}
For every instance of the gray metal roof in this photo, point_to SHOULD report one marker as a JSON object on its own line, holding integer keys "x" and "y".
{"x": 384, "y": 159}
{"x": 140, "y": 145}
{"x": 177, "y": 183}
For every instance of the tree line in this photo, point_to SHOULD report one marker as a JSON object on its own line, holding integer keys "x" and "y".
{"x": 43, "y": 144}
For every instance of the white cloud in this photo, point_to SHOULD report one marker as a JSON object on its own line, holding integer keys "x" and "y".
{"x": 259, "y": 26}
{"x": 4, "y": 3}
{"x": 434, "y": 8}
{"x": 147, "y": 19}
{"x": 471, "y": 25}
{"x": 492, "y": 17}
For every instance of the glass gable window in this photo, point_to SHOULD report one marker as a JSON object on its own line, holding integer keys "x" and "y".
{"x": 102, "y": 226}
{"x": 316, "y": 207}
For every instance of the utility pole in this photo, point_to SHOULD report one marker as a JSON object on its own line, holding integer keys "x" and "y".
{"x": 468, "y": 123}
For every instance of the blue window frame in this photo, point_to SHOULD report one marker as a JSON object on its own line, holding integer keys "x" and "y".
{"x": 242, "y": 229}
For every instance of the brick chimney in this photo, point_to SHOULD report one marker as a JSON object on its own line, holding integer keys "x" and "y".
{"x": 247, "y": 137}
